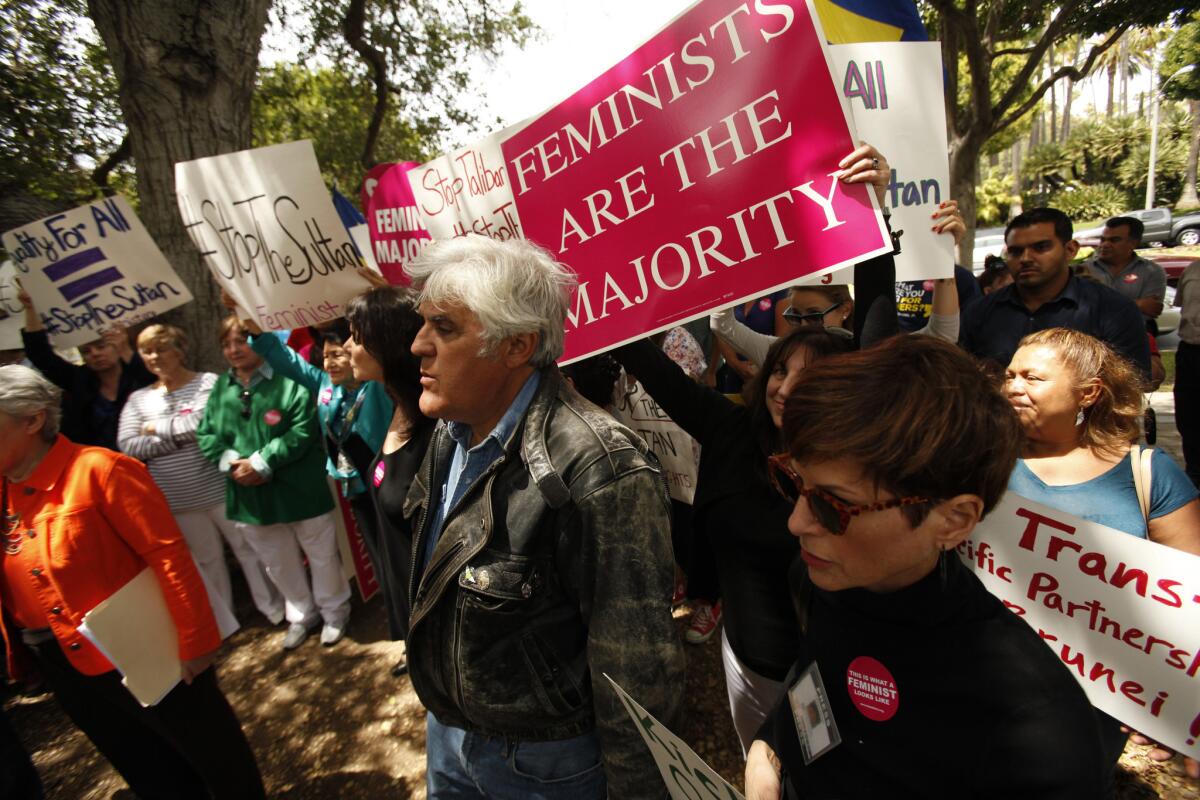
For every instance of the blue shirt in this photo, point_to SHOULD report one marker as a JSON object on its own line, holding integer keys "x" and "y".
{"x": 468, "y": 463}
{"x": 993, "y": 325}
{"x": 1111, "y": 498}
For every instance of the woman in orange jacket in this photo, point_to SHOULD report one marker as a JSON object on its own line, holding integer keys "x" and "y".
{"x": 79, "y": 523}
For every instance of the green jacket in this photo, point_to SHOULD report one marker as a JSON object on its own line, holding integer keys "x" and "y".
{"x": 280, "y": 436}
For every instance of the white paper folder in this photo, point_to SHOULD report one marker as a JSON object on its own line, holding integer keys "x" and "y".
{"x": 135, "y": 631}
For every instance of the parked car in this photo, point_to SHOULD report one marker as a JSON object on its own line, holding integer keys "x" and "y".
{"x": 1185, "y": 231}
{"x": 989, "y": 245}
{"x": 1168, "y": 320}
{"x": 1172, "y": 265}
{"x": 1160, "y": 228}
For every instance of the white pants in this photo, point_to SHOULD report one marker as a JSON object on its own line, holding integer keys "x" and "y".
{"x": 751, "y": 696}
{"x": 203, "y": 529}
{"x": 279, "y": 548}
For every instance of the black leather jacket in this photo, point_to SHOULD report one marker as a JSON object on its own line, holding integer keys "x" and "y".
{"x": 553, "y": 569}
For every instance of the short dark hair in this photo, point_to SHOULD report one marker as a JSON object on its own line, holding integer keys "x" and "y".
{"x": 335, "y": 332}
{"x": 819, "y": 344}
{"x": 916, "y": 413}
{"x": 1063, "y": 229}
{"x": 1135, "y": 225}
{"x": 385, "y": 321}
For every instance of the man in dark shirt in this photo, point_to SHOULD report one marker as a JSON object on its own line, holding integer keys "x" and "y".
{"x": 1046, "y": 294}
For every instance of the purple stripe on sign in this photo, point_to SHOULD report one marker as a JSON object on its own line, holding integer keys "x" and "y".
{"x": 73, "y": 263}
{"x": 74, "y": 289}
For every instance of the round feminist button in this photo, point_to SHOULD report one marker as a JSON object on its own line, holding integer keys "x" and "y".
{"x": 872, "y": 689}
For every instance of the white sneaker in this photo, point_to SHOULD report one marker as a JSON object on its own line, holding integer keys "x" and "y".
{"x": 332, "y": 633}
{"x": 296, "y": 633}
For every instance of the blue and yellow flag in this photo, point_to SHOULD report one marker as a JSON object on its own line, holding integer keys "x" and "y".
{"x": 847, "y": 21}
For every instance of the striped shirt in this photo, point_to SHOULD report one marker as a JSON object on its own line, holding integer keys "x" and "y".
{"x": 186, "y": 477}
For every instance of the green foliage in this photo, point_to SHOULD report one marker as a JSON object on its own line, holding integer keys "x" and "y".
{"x": 1084, "y": 202}
{"x": 332, "y": 108}
{"x": 429, "y": 45}
{"x": 1106, "y": 158}
{"x": 58, "y": 111}
{"x": 993, "y": 198}
{"x": 1182, "y": 51}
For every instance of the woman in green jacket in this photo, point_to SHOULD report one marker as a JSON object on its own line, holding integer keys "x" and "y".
{"x": 261, "y": 429}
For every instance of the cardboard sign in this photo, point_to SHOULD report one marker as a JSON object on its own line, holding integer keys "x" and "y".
{"x": 397, "y": 233}
{"x": 360, "y": 559}
{"x": 686, "y": 775}
{"x": 92, "y": 268}
{"x": 267, "y": 229}
{"x": 1121, "y": 612}
{"x": 698, "y": 172}
{"x": 895, "y": 94}
{"x": 12, "y": 313}
{"x": 678, "y": 453}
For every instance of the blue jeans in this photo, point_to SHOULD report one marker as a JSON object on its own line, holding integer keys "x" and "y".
{"x": 460, "y": 764}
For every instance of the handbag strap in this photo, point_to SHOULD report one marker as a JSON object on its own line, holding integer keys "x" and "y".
{"x": 1139, "y": 461}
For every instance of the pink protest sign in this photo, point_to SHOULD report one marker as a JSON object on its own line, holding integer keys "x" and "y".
{"x": 370, "y": 181}
{"x": 397, "y": 234}
{"x": 697, "y": 173}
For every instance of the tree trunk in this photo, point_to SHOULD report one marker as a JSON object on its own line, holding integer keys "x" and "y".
{"x": 186, "y": 74}
{"x": 1066, "y": 124}
{"x": 1053, "y": 95}
{"x": 1017, "y": 205}
{"x": 1123, "y": 69}
{"x": 1188, "y": 198}
{"x": 964, "y": 177}
{"x": 1112, "y": 87}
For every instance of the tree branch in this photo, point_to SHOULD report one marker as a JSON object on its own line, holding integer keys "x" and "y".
{"x": 353, "y": 25}
{"x": 1072, "y": 72}
{"x": 1012, "y": 51}
{"x": 100, "y": 174}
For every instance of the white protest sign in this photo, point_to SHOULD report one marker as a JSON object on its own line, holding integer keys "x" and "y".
{"x": 894, "y": 90}
{"x": 12, "y": 313}
{"x": 895, "y": 94}
{"x": 267, "y": 229}
{"x": 686, "y": 775}
{"x": 677, "y": 452}
{"x": 92, "y": 268}
{"x": 1121, "y": 612}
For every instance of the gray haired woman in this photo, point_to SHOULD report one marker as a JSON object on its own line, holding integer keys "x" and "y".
{"x": 77, "y": 524}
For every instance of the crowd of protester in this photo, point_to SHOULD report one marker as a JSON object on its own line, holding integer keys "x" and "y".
{"x": 524, "y": 542}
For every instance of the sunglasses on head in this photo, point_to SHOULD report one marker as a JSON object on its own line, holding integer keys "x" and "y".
{"x": 833, "y": 514}
{"x": 246, "y": 403}
{"x": 811, "y": 318}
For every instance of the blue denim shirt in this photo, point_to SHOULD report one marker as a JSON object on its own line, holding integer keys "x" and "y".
{"x": 468, "y": 463}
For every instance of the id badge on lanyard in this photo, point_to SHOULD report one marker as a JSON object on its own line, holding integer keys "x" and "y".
{"x": 815, "y": 726}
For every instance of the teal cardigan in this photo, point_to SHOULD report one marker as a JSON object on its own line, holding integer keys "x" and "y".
{"x": 370, "y": 423}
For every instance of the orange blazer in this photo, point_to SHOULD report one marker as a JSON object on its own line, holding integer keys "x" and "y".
{"x": 99, "y": 519}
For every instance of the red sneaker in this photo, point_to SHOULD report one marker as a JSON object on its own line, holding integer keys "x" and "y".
{"x": 705, "y": 620}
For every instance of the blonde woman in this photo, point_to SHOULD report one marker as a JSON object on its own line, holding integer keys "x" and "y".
{"x": 158, "y": 427}
{"x": 1080, "y": 406}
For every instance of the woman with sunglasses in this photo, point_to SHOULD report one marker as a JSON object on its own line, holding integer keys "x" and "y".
{"x": 892, "y": 455}
{"x": 832, "y": 308}
{"x": 737, "y": 511}
{"x": 261, "y": 430}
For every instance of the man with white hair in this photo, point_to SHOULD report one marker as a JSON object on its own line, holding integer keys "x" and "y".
{"x": 542, "y": 553}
